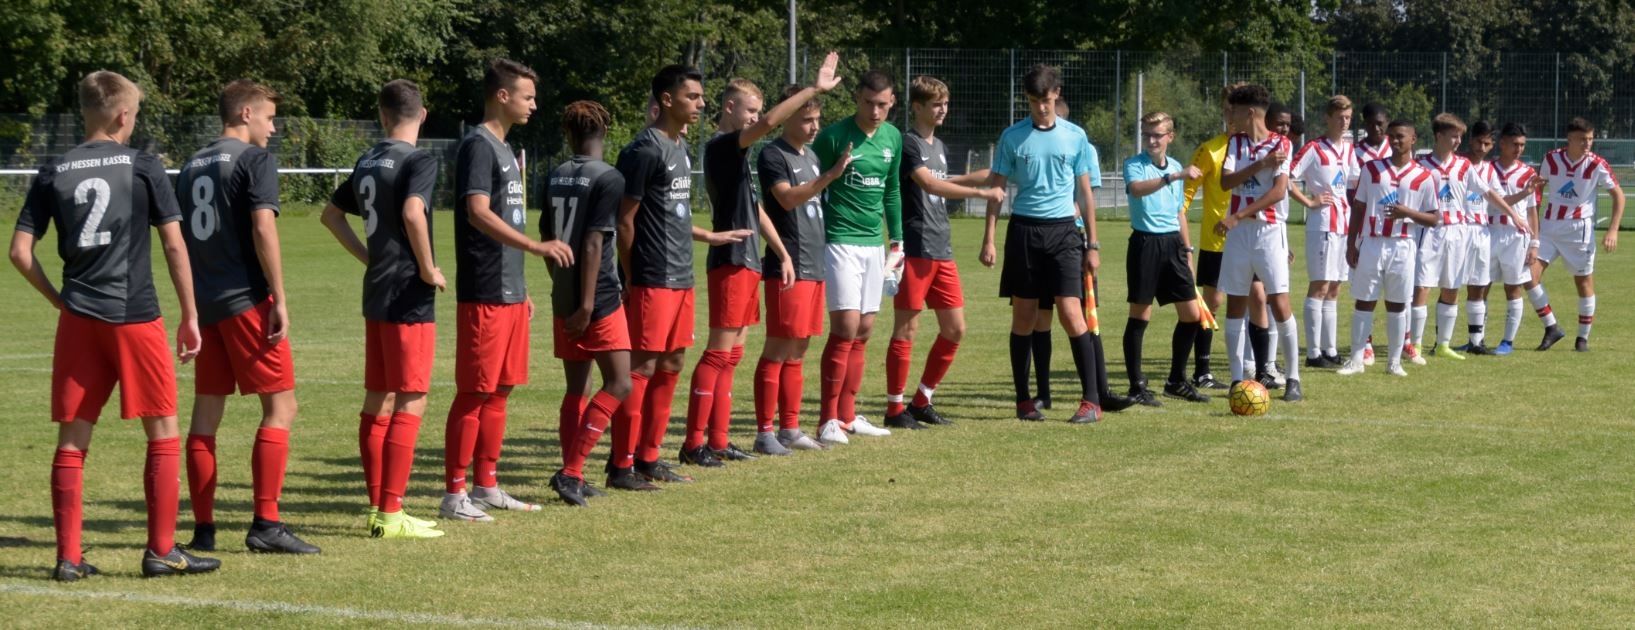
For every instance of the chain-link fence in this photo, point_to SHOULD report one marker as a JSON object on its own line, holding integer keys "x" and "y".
{"x": 1107, "y": 92}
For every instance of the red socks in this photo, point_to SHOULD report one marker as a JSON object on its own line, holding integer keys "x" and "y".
{"x": 936, "y": 367}
{"x": 701, "y": 402}
{"x": 596, "y": 419}
{"x": 201, "y": 477}
{"x": 627, "y": 423}
{"x": 567, "y": 419}
{"x": 721, "y": 414}
{"x": 768, "y": 375}
{"x": 460, "y": 439}
{"x": 661, "y": 393}
{"x": 371, "y": 444}
{"x": 898, "y": 357}
{"x": 854, "y": 381}
{"x": 161, "y": 490}
{"x": 397, "y": 460}
{"x": 837, "y": 355}
{"x": 267, "y": 462}
{"x": 67, "y": 484}
{"x": 490, "y": 438}
{"x": 790, "y": 386}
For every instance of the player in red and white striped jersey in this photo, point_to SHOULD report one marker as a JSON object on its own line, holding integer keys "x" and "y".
{"x": 1395, "y": 198}
{"x": 1327, "y": 165}
{"x": 1500, "y": 246}
{"x": 1445, "y": 253}
{"x": 1566, "y": 230}
{"x": 1374, "y": 145}
{"x": 1256, "y": 170}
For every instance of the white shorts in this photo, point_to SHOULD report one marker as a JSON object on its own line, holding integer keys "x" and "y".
{"x": 1509, "y": 247}
{"x": 1444, "y": 257}
{"x": 856, "y": 275}
{"x": 1255, "y": 250}
{"x": 1479, "y": 273}
{"x": 1325, "y": 257}
{"x": 1385, "y": 270}
{"x": 1572, "y": 240}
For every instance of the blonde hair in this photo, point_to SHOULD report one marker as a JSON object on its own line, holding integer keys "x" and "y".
{"x": 1155, "y": 119}
{"x": 1447, "y": 122}
{"x": 1336, "y": 104}
{"x": 737, "y": 88}
{"x": 926, "y": 89}
{"x": 103, "y": 92}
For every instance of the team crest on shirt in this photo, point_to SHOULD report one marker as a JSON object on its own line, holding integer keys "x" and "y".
{"x": 1389, "y": 198}
{"x": 1568, "y": 192}
{"x": 1339, "y": 180}
{"x": 681, "y": 210}
{"x": 1446, "y": 193}
{"x": 813, "y": 209}
{"x": 516, "y": 216}
{"x": 885, "y": 154}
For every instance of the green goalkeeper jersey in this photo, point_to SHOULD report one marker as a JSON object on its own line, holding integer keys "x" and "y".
{"x": 854, "y": 205}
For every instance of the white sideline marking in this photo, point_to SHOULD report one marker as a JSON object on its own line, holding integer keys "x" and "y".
{"x": 335, "y": 612}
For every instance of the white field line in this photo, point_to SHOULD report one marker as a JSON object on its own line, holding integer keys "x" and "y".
{"x": 284, "y": 608}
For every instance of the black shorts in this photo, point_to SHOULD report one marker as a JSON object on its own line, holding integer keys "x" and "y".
{"x": 1044, "y": 259}
{"x": 1158, "y": 269}
{"x": 1209, "y": 268}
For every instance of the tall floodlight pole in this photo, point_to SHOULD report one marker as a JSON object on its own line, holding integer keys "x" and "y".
{"x": 793, "y": 77}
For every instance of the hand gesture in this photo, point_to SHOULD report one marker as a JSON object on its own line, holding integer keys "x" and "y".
{"x": 555, "y": 252}
{"x": 988, "y": 256}
{"x": 278, "y": 323}
{"x": 788, "y": 272}
{"x": 1226, "y": 224}
{"x": 188, "y": 340}
{"x": 1191, "y": 173}
{"x": 1396, "y": 211}
{"x": 729, "y": 237}
{"x": 1610, "y": 241}
{"x": 1273, "y": 159}
{"x": 995, "y": 194}
{"x": 434, "y": 277}
{"x": 826, "y": 78}
{"x": 841, "y": 162}
{"x": 1325, "y": 200}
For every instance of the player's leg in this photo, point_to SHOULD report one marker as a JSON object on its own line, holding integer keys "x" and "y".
{"x": 900, "y": 356}
{"x": 1447, "y": 315}
{"x": 1023, "y": 313}
{"x": 83, "y": 374}
{"x": 721, "y": 413}
{"x": 1585, "y": 284}
{"x": 1549, "y": 250}
{"x": 950, "y": 332}
{"x": 806, "y": 321}
{"x": 1272, "y": 267}
{"x": 1042, "y": 346}
{"x": 1366, "y": 283}
{"x": 1208, "y": 275}
{"x": 666, "y": 329}
{"x": 409, "y": 350}
{"x": 201, "y": 462}
{"x": 376, "y": 416}
{"x": 1317, "y": 289}
{"x": 67, "y": 498}
{"x": 160, "y": 490}
{"x": 476, "y": 365}
{"x": 510, "y": 366}
{"x": 569, "y": 482}
{"x": 1086, "y": 359}
{"x": 269, "y": 459}
{"x": 715, "y": 360}
{"x": 873, "y": 288}
{"x": 1135, "y": 332}
{"x": 1476, "y": 315}
{"x": 843, "y": 328}
{"x": 1142, "y": 262}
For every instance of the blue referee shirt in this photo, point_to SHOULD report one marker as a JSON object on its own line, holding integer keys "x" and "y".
{"x": 1044, "y": 164}
{"x": 1158, "y": 213}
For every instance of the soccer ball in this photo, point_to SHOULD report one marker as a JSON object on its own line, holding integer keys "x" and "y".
{"x": 1249, "y": 398}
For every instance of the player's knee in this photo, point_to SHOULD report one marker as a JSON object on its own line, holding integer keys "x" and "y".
{"x": 617, "y": 386}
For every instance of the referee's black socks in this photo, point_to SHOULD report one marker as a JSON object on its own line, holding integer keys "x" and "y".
{"x": 1085, "y": 359}
{"x": 1186, "y": 333}
{"x": 1021, "y": 345}
{"x": 1135, "y": 330}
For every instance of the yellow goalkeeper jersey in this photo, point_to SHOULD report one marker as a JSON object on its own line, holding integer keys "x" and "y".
{"x": 1208, "y": 158}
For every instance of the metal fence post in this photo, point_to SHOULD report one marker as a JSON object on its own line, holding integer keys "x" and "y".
{"x": 908, "y": 79}
{"x": 1118, "y": 101}
{"x": 1444, "y": 81}
{"x": 1555, "y": 100}
{"x": 1140, "y": 105}
{"x": 1011, "y": 87}
{"x": 1302, "y": 93}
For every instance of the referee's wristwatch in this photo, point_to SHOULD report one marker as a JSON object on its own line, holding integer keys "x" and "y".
{"x": 1094, "y": 246}
{"x": 1189, "y": 249}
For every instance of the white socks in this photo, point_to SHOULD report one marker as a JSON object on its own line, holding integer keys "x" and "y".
{"x": 1314, "y": 327}
{"x": 1420, "y": 313}
{"x": 1512, "y": 319}
{"x": 1541, "y": 305}
{"x": 1446, "y": 315}
{"x": 1476, "y": 313}
{"x": 1331, "y": 328}
{"x": 1396, "y": 324}
{"x": 1362, "y": 327}
{"x": 1291, "y": 350}
{"x": 1234, "y": 347}
{"x": 1586, "y": 316}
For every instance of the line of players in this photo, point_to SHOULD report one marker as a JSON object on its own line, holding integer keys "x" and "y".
{"x": 831, "y": 192}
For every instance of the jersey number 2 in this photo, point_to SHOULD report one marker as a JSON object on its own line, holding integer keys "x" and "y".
{"x": 88, "y": 235}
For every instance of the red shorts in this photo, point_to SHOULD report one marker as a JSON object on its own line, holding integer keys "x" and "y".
{"x": 92, "y": 355}
{"x": 735, "y": 300}
{"x": 490, "y": 346}
{"x": 660, "y": 320}
{"x": 235, "y": 355}
{"x": 608, "y": 334}
{"x": 928, "y": 282}
{"x": 796, "y": 312}
{"x": 397, "y": 356}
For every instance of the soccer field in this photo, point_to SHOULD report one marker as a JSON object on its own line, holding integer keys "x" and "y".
{"x": 1493, "y": 492}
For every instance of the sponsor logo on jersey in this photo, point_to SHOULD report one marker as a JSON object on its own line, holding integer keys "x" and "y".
{"x": 1390, "y": 198}
{"x": 885, "y": 154}
{"x": 93, "y": 163}
{"x": 1339, "y": 180}
{"x": 1445, "y": 193}
{"x": 857, "y": 180}
{"x": 1568, "y": 192}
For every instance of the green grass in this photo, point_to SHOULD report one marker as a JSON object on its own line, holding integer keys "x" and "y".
{"x": 1492, "y": 492}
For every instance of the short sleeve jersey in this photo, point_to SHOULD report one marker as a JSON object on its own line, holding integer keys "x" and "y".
{"x": 1159, "y": 212}
{"x": 926, "y": 233}
{"x": 1326, "y": 169}
{"x": 1241, "y": 151}
{"x": 382, "y": 181}
{"x": 800, "y": 228}
{"x": 221, "y": 187}
{"x": 487, "y": 271}
{"x": 1208, "y": 158}
{"x": 733, "y": 203}
{"x": 103, "y": 196}
{"x": 869, "y": 192}
{"x": 1045, "y": 165}
{"x": 1572, "y": 185}
{"x": 658, "y": 173}
{"x": 584, "y": 199}
{"x": 1383, "y": 184}
{"x": 1458, "y": 183}
{"x": 1476, "y": 204}
{"x": 1512, "y": 181}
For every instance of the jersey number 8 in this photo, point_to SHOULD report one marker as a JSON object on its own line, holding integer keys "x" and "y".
{"x": 206, "y": 219}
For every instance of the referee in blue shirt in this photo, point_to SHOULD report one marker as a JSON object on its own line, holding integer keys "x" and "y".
{"x": 1046, "y": 257}
{"x": 1159, "y": 257}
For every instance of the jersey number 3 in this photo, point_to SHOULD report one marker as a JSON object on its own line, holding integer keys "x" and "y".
{"x": 371, "y": 220}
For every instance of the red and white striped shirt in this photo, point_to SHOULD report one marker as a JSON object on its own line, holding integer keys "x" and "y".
{"x": 1477, "y": 205}
{"x": 1327, "y": 168}
{"x": 1383, "y": 184}
{"x": 1459, "y": 184}
{"x": 1511, "y": 182}
{"x": 1572, "y": 185}
{"x": 1241, "y": 151}
{"x": 1366, "y": 154}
